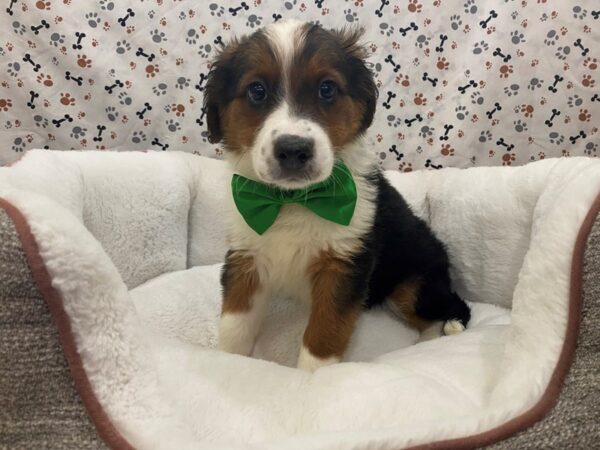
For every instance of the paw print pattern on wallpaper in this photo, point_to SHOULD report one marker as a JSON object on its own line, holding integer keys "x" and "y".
{"x": 462, "y": 83}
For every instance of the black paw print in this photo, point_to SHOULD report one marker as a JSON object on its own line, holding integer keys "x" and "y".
{"x": 394, "y": 121}
{"x": 40, "y": 121}
{"x": 563, "y": 52}
{"x": 191, "y": 36}
{"x": 138, "y": 136}
{"x": 516, "y": 37}
{"x": 182, "y": 82}
{"x": 470, "y": 7}
{"x": 535, "y": 83}
{"x": 160, "y": 89}
{"x": 455, "y": 22}
{"x": 216, "y": 10}
{"x": 556, "y": 138}
{"x": 158, "y": 36}
{"x": 579, "y": 12}
{"x": 18, "y": 145}
{"x": 480, "y": 47}
{"x": 520, "y": 126}
{"x": 122, "y": 47}
{"x": 551, "y": 38}
{"x": 351, "y": 16}
{"x": 386, "y": 29}
{"x": 461, "y": 112}
{"x": 93, "y": 19}
{"x": 78, "y": 132}
{"x": 422, "y": 41}
{"x": 57, "y": 39}
{"x": 173, "y": 125}
{"x": 477, "y": 98}
{"x": 511, "y": 90}
{"x": 574, "y": 101}
{"x": 111, "y": 113}
{"x": 124, "y": 99}
{"x": 254, "y": 21}
{"x": 485, "y": 136}
{"x": 426, "y": 131}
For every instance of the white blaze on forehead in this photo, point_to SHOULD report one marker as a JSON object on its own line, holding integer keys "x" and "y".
{"x": 286, "y": 38}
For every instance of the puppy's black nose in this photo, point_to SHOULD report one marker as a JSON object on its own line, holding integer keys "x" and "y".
{"x": 293, "y": 152}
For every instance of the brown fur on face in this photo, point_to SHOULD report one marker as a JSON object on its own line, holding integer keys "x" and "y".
{"x": 240, "y": 281}
{"x": 333, "y": 312}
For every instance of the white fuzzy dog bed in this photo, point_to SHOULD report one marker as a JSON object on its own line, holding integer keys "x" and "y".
{"x": 130, "y": 245}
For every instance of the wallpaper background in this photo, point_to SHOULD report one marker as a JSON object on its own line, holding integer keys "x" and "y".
{"x": 462, "y": 83}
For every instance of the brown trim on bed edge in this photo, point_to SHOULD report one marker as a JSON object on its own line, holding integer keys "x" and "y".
{"x": 550, "y": 395}
{"x": 43, "y": 281}
{"x": 111, "y": 436}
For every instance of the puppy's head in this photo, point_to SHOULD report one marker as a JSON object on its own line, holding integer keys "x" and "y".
{"x": 287, "y": 99}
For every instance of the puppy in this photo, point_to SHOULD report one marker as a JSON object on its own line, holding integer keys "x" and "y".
{"x": 312, "y": 216}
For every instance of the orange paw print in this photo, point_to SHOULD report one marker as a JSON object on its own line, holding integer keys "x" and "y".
{"x": 405, "y": 167}
{"x": 83, "y": 61}
{"x": 178, "y": 109}
{"x": 584, "y": 115}
{"x": 403, "y": 80}
{"x": 5, "y": 104}
{"x": 442, "y": 64}
{"x": 420, "y": 100}
{"x": 66, "y": 99}
{"x": 591, "y": 63}
{"x": 46, "y": 80}
{"x": 508, "y": 158}
{"x": 414, "y": 6}
{"x": 541, "y": 155}
{"x": 587, "y": 81}
{"x": 527, "y": 110}
{"x": 151, "y": 70}
{"x": 447, "y": 150}
{"x": 43, "y": 5}
{"x": 506, "y": 70}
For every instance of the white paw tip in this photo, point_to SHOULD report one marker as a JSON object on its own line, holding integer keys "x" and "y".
{"x": 453, "y": 327}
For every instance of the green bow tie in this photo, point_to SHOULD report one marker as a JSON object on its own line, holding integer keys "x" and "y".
{"x": 333, "y": 199}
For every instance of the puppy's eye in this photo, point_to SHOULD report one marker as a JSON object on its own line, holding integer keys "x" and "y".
{"x": 257, "y": 93}
{"x": 327, "y": 90}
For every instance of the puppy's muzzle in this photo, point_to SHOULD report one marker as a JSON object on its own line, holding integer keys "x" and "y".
{"x": 293, "y": 153}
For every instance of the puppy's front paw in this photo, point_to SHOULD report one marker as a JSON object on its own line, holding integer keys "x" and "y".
{"x": 235, "y": 335}
{"x": 309, "y": 362}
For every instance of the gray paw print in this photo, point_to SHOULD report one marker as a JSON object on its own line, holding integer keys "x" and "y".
{"x": 422, "y": 41}
{"x": 19, "y": 28}
{"x": 182, "y": 82}
{"x": 289, "y": 5}
{"x": 18, "y": 145}
{"x": 351, "y": 16}
{"x": 551, "y": 38}
{"x": 480, "y": 47}
{"x": 182, "y": 16}
{"x": 56, "y": 39}
{"x": 173, "y": 125}
{"x": 514, "y": 15}
{"x": 485, "y": 136}
{"x": 204, "y": 50}
{"x": 563, "y": 52}
{"x": 78, "y": 132}
{"x": 122, "y": 47}
{"x": 124, "y": 99}
{"x": 253, "y": 21}
{"x": 579, "y": 12}
{"x": 160, "y": 89}
{"x": 158, "y": 36}
{"x": 476, "y": 98}
{"x": 151, "y": 14}
{"x": 461, "y": 112}
{"x": 517, "y": 37}
{"x": 590, "y": 148}
{"x": 93, "y": 19}
{"x": 13, "y": 69}
{"x": 511, "y": 90}
{"x": 138, "y": 136}
{"x": 386, "y": 29}
{"x": 40, "y": 121}
{"x": 216, "y": 10}
{"x": 394, "y": 121}
{"x": 470, "y": 7}
{"x": 455, "y": 22}
{"x": 575, "y": 101}
{"x": 520, "y": 126}
{"x": 426, "y": 131}
{"x": 107, "y": 5}
{"x": 556, "y": 138}
{"x": 191, "y": 36}
{"x": 111, "y": 113}
{"x": 535, "y": 83}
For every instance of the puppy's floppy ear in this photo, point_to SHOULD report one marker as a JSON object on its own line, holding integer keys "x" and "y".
{"x": 361, "y": 77}
{"x": 217, "y": 86}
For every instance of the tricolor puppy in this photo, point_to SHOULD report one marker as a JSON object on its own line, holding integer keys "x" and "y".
{"x": 312, "y": 216}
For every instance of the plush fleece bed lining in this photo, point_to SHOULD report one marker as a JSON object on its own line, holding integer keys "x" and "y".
{"x": 114, "y": 439}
